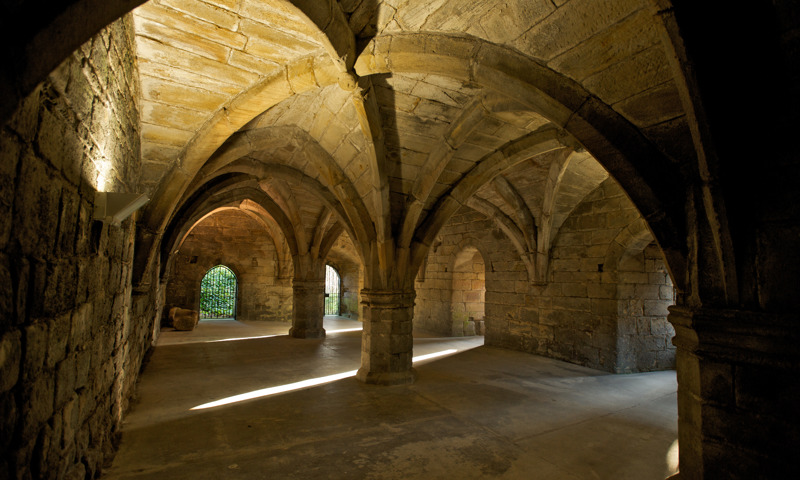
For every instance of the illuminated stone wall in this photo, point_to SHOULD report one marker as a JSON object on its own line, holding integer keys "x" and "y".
{"x": 436, "y": 311}
{"x": 604, "y": 304}
{"x": 72, "y": 336}
{"x": 233, "y": 239}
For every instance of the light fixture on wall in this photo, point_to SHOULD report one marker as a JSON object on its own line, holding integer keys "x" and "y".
{"x": 113, "y": 208}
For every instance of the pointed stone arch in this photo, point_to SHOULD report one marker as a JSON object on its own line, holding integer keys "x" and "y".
{"x": 642, "y": 169}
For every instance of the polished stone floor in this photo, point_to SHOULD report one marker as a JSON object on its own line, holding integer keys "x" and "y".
{"x": 231, "y": 400}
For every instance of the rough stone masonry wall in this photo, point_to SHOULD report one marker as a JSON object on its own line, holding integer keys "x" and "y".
{"x": 504, "y": 273}
{"x": 71, "y": 343}
{"x": 234, "y": 239}
{"x": 469, "y": 290}
{"x": 644, "y": 291}
{"x": 614, "y": 320}
{"x": 582, "y": 314}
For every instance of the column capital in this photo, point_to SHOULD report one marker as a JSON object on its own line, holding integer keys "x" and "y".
{"x": 757, "y": 338}
{"x": 388, "y": 298}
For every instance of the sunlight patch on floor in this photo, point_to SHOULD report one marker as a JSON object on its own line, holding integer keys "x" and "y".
{"x": 311, "y": 382}
{"x": 242, "y": 338}
{"x": 342, "y": 330}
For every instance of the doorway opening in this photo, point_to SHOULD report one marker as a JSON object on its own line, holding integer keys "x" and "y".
{"x": 333, "y": 287}
{"x": 468, "y": 293}
{"x": 218, "y": 293}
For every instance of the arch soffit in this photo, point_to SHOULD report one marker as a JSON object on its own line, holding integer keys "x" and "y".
{"x": 529, "y": 146}
{"x": 77, "y": 22}
{"x": 630, "y": 241}
{"x": 330, "y": 178}
{"x": 468, "y": 243}
{"x": 641, "y": 169}
{"x": 252, "y": 210}
{"x": 338, "y": 40}
{"x": 221, "y": 198}
{"x": 224, "y": 123}
{"x": 344, "y": 211}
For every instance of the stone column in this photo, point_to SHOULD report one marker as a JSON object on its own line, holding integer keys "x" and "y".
{"x": 308, "y": 309}
{"x": 738, "y": 391}
{"x": 386, "y": 342}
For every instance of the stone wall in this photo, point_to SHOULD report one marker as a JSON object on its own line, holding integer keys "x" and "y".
{"x": 236, "y": 240}
{"x": 71, "y": 340}
{"x": 644, "y": 291}
{"x": 344, "y": 258}
{"x": 605, "y": 301}
{"x": 469, "y": 291}
{"x": 438, "y": 304}
{"x": 599, "y": 284}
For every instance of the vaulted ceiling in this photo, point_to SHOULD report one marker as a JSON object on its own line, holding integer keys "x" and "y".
{"x": 380, "y": 119}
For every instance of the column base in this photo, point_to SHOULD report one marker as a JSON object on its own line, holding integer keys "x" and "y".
{"x": 307, "y": 332}
{"x": 386, "y": 378}
{"x": 738, "y": 389}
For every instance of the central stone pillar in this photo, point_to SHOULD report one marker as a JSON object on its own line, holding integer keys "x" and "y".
{"x": 387, "y": 344}
{"x": 308, "y": 309}
{"x": 738, "y": 385}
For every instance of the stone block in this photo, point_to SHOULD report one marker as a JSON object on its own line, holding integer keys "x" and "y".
{"x": 599, "y": 290}
{"x": 656, "y": 308}
{"x": 457, "y": 329}
{"x": 469, "y": 328}
{"x": 573, "y": 303}
{"x": 183, "y": 319}
{"x": 208, "y": 13}
{"x": 667, "y": 292}
{"x": 50, "y": 139}
{"x": 65, "y": 381}
{"x": 35, "y": 339}
{"x": 10, "y": 359}
{"x": 605, "y": 307}
{"x": 36, "y": 205}
{"x": 648, "y": 292}
{"x": 652, "y": 106}
{"x": 572, "y": 24}
{"x": 574, "y": 289}
{"x": 58, "y": 339}
{"x": 38, "y": 406}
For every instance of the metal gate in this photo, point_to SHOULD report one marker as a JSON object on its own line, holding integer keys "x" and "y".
{"x": 332, "y": 290}
{"x": 218, "y": 293}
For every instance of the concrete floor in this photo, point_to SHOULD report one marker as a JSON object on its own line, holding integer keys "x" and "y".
{"x": 478, "y": 413}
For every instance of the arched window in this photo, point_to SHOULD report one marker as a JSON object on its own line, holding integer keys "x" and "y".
{"x": 332, "y": 290}
{"x": 218, "y": 293}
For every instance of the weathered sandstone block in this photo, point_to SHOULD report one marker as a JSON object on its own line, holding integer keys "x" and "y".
{"x": 183, "y": 319}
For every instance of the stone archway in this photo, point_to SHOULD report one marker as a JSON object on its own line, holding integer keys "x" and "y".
{"x": 468, "y": 293}
{"x": 333, "y": 289}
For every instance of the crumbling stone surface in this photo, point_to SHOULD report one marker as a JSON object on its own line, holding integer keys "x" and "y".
{"x": 66, "y": 280}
